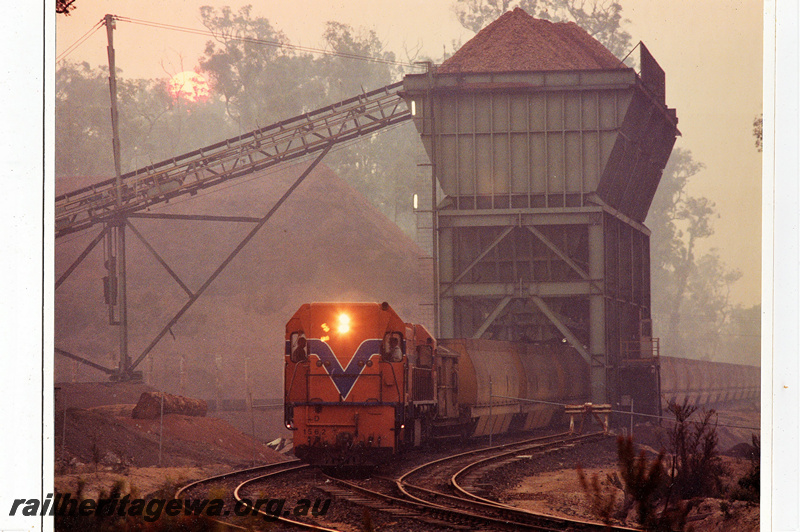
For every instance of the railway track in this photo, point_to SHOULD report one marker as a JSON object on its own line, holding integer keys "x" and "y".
{"x": 244, "y": 510}
{"x": 447, "y": 493}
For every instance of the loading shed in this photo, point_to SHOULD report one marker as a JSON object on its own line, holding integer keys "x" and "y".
{"x": 546, "y": 152}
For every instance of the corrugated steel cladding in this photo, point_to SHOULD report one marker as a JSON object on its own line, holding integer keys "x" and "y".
{"x": 544, "y": 139}
{"x": 549, "y": 152}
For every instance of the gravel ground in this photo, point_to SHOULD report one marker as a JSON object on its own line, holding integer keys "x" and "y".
{"x": 550, "y": 485}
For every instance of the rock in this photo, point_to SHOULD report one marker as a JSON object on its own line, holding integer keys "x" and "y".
{"x": 149, "y": 406}
{"x": 111, "y": 459}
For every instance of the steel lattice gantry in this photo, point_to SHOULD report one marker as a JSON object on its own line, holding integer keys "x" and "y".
{"x": 545, "y": 179}
{"x": 113, "y": 202}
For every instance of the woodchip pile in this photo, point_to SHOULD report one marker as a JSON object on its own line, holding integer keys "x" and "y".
{"x": 517, "y": 42}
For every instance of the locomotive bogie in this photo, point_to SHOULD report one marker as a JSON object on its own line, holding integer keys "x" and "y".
{"x": 334, "y": 435}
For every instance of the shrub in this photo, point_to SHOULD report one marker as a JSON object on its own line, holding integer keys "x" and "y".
{"x": 644, "y": 484}
{"x": 695, "y": 465}
{"x": 749, "y": 488}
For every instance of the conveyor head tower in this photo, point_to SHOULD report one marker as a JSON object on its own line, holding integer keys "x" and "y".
{"x": 548, "y": 151}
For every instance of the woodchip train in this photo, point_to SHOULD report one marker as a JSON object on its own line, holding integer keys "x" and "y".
{"x": 362, "y": 385}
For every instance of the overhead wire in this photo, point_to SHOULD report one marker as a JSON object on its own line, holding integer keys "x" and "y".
{"x": 251, "y": 40}
{"x": 265, "y": 42}
{"x": 74, "y": 46}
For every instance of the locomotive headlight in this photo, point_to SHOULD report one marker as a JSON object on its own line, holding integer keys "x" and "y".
{"x": 344, "y": 323}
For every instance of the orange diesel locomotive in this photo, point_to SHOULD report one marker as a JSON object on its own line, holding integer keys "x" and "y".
{"x": 349, "y": 394}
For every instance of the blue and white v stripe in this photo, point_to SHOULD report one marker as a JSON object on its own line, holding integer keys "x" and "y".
{"x": 344, "y": 378}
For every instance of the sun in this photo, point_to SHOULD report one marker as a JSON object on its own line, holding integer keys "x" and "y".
{"x": 190, "y": 86}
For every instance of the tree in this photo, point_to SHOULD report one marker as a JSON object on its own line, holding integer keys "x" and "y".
{"x": 83, "y": 127}
{"x": 602, "y": 19}
{"x": 696, "y": 467}
{"x": 741, "y": 336}
{"x": 709, "y": 307}
{"x": 158, "y": 125}
{"x": 645, "y": 490}
{"x": 657, "y": 490}
{"x": 154, "y": 125}
{"x": 687, "y": 289}
{"x": 378, "y": 166}
{"x": 262, "y": 82}
{"x": 347, "y": 78}
{"x": 63, "y": 7}
{"x": 750, "y": 485}
{"x": 250, "y": 70}
{"x": 475, "y": 14}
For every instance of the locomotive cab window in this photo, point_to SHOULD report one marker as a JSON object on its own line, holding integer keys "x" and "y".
{"x": 393, "y": 347}
{"x": 299, "y": 347}
{"x": 424, "y": 356}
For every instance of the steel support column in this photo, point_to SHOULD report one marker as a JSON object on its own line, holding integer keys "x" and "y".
{"x": 482, "y": 254}
{"x": 124, "y": 358}
{"x": 597, "y": 319}
{"x": 446, "y": 307}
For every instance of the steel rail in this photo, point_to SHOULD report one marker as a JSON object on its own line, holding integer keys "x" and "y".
{"x": 477, "y": 451}
{"x": 216, "y": 478}
{"x": 423, "y": 510}
{"x": 189, "y": 173}
{"x": 273, "y": 469}
{"x": 568, "y": 523}
{"x": 311, "y": 526}
{"x": 403, "y": 486}
{"x": 509, "y": 514}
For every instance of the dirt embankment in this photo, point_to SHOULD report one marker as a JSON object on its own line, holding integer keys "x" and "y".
{"x": 100, "y": 443}
{"x": 550, "y": 484}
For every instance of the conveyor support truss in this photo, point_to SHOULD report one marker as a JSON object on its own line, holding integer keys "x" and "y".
{"x": 187, "y": 174}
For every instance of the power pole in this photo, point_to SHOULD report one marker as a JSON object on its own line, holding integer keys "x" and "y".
{"x": 116, "y": 282}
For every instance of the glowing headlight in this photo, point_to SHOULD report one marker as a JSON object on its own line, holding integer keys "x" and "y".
{"x": 344, "y": 323}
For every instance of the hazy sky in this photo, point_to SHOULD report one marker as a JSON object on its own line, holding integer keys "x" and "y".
{"x": 711, "y": 52}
